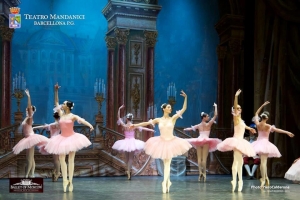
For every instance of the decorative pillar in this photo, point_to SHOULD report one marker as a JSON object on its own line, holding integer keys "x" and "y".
{"x": 6, "y": 35}
{"x": 221, "y": 51}
{"x": 150, "y": 37}
{"x": 121, "y": 36}
{"x": 110, "y": 110}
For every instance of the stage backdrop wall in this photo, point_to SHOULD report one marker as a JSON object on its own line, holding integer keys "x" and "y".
{"x": 76, "y": 55}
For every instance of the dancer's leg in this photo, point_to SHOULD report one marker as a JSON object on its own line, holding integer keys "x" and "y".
{"x": 204, "y": 159}
{"x": 71, "y": 169}
{"x": 199, "y": 158}
{"x": 167, "y": 168}
{"x": 240, "y": 162}
{"x": 56, "y": 164}
{"x": 29, "y": 160}
{"x": 234, "y": 169}
{"x": 129, "y": 164}
{"x": 63, "y": 165}
{"x": 263, "y": 168}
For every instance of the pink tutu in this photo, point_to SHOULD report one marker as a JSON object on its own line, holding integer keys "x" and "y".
{"x": 157, "y": 147}
{"x": 129, "y": 145}
{"x": 263, "y": 146}
{"x": 293, "y": 173}
{"x": 30, "y": 141}
{"x": 198, "y": 142}
{"x": 62, "y": 145}
{"x": 239, "y": 144}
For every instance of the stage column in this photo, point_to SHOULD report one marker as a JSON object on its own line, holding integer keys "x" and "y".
{"x": 110, "y": 101}
{"x": 150, "y": 44}
{"x": 6, "y": 35}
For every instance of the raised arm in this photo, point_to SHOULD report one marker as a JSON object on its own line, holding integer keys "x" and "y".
{"x": 258, "y": 111}
{"x": 277, "y": 130}
{"x": 120, "y": 121}
{"x": 179, "y": 113}
{"x": 235, "y": 105}
{"x": 56, "y": 102}
{"x": 29, "y": 107}
{"x": 215, "y": 115}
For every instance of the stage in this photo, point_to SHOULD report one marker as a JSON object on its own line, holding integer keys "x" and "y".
{"x": 149, "y": 187}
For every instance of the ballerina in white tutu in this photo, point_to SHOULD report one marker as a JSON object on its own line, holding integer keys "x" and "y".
{"x": 293, "y": 173}
{"x": 68, "y": 142}
{"x": 129, "y": 145}
{"x": 203, "y": 144}
{"x": 30, "y": 140}
{"x": 166, "y": 146}
{"x": 262, "y": 146}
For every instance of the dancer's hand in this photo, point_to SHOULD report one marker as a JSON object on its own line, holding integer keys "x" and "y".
{"x": 252, "y": 130}
{"x": 56, "y": 86}
{"x": 215, "y": 105}
{"x": 183, "y": 94}
{"x": 91, "y": 128}
{"x": 290, "y": 134}
{"x": 27, "y": 92}
{"x": 238, "y": 92}
{"x": 122, "y": 107}
{"x": 266, "y": 103}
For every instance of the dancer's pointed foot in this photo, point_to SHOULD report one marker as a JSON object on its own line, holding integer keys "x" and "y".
{"x": 240, "y": 188}
{"x": 128, "y": 175}
{"x": 267, "y": 182}
{"x": 204, "y": 177}
{"x": 262, "y": 182}
{"x": 65, "y": 184}
{"x": 169, "y": 183}
{"x": 70, "y": 187}
{"x": 200, "y": 177}
{"x": 233, "y": 183}
{"x": 164, "y": 187}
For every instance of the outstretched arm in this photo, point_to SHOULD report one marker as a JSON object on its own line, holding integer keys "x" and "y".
{"x": 215, "y": 115}
{"x": 258, "y": 111}
{"x": 82, "y": 121}
{"x": 38, "y": 127}
{"x": 146, "y": 129}
{"x": 277, "y": 130}
{"x": 252, "y": 130}
{"x": 152, "y": 122}
{"x": 179, "y": 114}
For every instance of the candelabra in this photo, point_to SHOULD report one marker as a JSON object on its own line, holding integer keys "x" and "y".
{"x": 171, "y": 94}
{"x": 152, "y": 112}
{"x": 99, "y": 93}
{"x": 19, "y": 85}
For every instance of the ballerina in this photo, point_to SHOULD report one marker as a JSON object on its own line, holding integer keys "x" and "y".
{"x": 237, "y": 144}
{"x": 166, "y": 146}
{"x": 68, "y": 142}
{"x": 30, "y": 140}
{"x": 129, "y": 145}
{"x": 293, "y": 173}
{"x": 262, "y": 146}
{"x": 203, "y": 144}
{"x": 54, "y": 130}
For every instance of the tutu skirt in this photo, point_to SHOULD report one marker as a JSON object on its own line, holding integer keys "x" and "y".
{"x": 30, "y": 141}
{"x": 157, "y": 147}
{"x": 61, "y": 145}
{"x": 232, "y": 143}
{"x": 263, "y": 146}
{"x": 198, "y": 142}
{"x": 129, "y": 145}
{"x": 293, "y": 173}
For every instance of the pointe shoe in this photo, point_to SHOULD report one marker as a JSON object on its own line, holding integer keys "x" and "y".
{"x": 164, "y": 187}
{"x": 240, "y": 188}
{"x": 262, "y": 182}
{"x": 169, "y": 183}
{"x": 128, "y": 175}
{"x": 65, "y": 185}
{"x": 267, "y": 181}
{"x": 71, "y": 187}
{"x": 204, "y": 177}
{"x": 233, "y": 183}
{"x": 200, "y": 177}
{"x": 53, "y": 175}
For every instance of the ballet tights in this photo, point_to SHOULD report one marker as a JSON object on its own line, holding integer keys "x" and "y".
{"x": 237, "y": 169}
{"x": 263, "y": 169}
{"x": 129, "y": 160}
{"x": 30, "y": 167}
{"x": 166, "y": 182}
{"x": 202, "y": 153}
{"x": 64, "y": 172}
{"x": 56, "y": 163}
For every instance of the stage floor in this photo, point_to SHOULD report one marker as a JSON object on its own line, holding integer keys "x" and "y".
{"x": 149, "y": 187}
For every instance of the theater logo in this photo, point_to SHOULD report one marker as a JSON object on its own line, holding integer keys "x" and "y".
{"x": 14, "y": 18}
{"x": 26, "y": 185}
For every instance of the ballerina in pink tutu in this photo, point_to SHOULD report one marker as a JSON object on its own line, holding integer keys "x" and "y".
{"x": 129, "y": 145}
{"x": 262, "y": 146}
{"x": 237, "y": 144}
{"x": 54, "y": 130}
{"x": 68, "y": 142}
{"x": 166, "y": 146}
{"x": 203, "y": 144}
{"x": 30, "y": 140}
{"x": 293, "y": 173}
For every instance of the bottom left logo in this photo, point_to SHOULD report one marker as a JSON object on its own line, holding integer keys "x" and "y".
{"x": 26, "y": 185}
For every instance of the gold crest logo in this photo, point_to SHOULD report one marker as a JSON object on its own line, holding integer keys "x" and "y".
{"x": 14, "y": 10}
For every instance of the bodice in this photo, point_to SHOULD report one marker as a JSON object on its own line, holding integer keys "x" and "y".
{"x": 239, "y": 130}
{"x": 204, "y": 134}
{"x": 66, "y": 127}
{"x": 27, "y": 129}
{"x": 166, "y": 129}
{"x": 129, "y": 134}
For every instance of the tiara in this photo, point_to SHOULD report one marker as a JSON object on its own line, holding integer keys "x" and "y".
{"x": 202, "y": 113}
